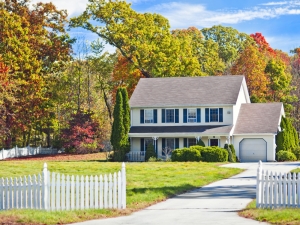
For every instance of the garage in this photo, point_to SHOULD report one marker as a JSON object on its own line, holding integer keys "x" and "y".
{"x": 253, "y": 150}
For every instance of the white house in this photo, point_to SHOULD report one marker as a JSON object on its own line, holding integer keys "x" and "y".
{"x": 175, "y": 112}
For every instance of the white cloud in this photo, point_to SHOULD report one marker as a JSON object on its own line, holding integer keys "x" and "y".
{"x": 74, "y": 7}
{"x": 185, "y": 14}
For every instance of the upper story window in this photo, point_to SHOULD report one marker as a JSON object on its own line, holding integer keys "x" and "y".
{"x": 170, "y": 115}
{"x": 191, "y": 115}
{"x": 214, "y": 115}
{"x": 148, "y": 116}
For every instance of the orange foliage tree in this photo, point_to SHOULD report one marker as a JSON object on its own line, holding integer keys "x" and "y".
{"x": 125, "y": 75}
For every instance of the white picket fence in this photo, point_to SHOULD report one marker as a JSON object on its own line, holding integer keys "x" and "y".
{"x": 277, "y": 190}
{"x": 53, "y": 191}
{"x": 26, "y": 151}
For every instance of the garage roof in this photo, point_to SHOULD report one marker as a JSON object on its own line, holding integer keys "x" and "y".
{"x": 258, "y": 118}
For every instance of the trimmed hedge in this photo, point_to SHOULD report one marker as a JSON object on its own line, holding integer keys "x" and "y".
{"x": 283, "y": 155}
{"x": 197, "y": 153}
{"x": 186, "y": 155}
{"x": 214, "y": 154}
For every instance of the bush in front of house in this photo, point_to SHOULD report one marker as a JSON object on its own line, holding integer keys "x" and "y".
{"x": 150, "y": 152}
{"x": 233, "y": 153}
{"x": 214, "y": 154}
{"x": 186, "y": 155}
{"x": 283, "y": 155}
{"x": 296, "y": 152}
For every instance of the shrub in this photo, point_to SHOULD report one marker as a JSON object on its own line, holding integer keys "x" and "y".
{"x": 230, "y": 156}
{"x": 200, "y": 143}
{"x": 283, "y": 155}
{"x": 150, "y": 152}
{"x": 214, "y": 154}
{"x": 296, "y": 152}
{"x": 233, "y": 153}
{"x": 152, "y": 159}
{"x": 186, "y": 155}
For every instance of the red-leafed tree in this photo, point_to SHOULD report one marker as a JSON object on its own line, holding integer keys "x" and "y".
{"x": 82, "y": 135}
{"x": 263, "y": 45}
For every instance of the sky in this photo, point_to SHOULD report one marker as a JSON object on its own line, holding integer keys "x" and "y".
{"x": 278, "y": 21}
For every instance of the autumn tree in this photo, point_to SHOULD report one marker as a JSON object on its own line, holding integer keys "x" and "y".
{"x": 262, "y": 45}
{"x": 230, "y": 43}
{"x": 252, "y": 64}
{"x": 144, "y": 39}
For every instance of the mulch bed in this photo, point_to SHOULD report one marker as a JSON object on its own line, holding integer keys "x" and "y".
{"x": 62, "y": 157}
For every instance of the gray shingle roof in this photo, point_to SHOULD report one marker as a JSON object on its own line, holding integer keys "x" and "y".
{"x": 186, "y": 91}
{"x": 258, "y": 118}
{"x": 182, "y": 129}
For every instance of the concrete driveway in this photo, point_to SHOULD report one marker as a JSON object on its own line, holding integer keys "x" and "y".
{"x": 216, "y": 203}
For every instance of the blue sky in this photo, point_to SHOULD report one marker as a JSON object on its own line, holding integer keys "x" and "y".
{"x": 278, "y": 21}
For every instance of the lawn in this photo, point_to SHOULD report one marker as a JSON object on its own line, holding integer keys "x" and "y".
{"x": 284, "y": 216}
{"x": 288, "y": 216}
{"x": 147, "y": 184}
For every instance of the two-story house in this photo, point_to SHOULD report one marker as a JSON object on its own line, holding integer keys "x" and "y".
{"x": 176, "y": 112}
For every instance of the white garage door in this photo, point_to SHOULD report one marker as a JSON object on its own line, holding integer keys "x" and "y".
{"x": 253, "y": 150}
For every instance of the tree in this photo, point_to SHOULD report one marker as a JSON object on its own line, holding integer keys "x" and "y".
{"x": 126, "y": 111}
{"x": 263, "y": 45}
{"x": 252, "y": 64}
{"x": 144, "y": 39}
{"x": 150, "y": 152}
{"x": 82, "y": 135}
{"x": 287, "y": 138}
{"x": 118, "y": 130}
{"x": 230, "y": 42}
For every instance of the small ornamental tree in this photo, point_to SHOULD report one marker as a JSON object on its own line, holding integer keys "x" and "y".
{"x": 82, "y": 136}
{"x": 287, "y": 138}
{"x": 200, "y": 143}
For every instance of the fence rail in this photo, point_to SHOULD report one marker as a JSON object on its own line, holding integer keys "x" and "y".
{"x": 138, "y": 156}
{"x": 53, "y": 191}
{"x": 277, "y": 190}
{"x": 26, "y": 151}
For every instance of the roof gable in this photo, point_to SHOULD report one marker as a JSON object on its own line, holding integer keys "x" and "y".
{"x": 258, "y": 118}
{"x": 186, "y": 91}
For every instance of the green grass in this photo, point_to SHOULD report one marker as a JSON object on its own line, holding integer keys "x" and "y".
{"x": 287, "y": 216}
{"x": 147, "y": 183}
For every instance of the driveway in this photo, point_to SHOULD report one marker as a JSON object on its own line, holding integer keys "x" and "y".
{"x": 216, "y": 203}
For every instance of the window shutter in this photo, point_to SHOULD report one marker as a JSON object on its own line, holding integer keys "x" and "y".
{"x": 163, "y": 114}
{"x": 176, "y": 143}
{"x": 185, "y": 115}
{"x": 163, "y": 145}
{"x": 141, "y": 116}
{"x": 184, "y": 142}
{"x": 142, "y": 145}
{"x": 207, "y": 115}
{"x": 198, "y": 115}
{"x": 176, "y": 115}
{"x": 155, "y": 115}
{"x": 220, "y": 114}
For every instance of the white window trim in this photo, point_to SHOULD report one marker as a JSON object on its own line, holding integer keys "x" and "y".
{"x": 188, "y": 116}
{"x": 145, "y": 116}
{"x": 166, "y": 115}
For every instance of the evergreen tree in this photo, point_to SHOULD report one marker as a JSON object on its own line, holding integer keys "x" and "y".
{"x": 118, "y": 131}
{"x": 126, "y": 110}
{"x": 200, "y": 143}
{"x": 150, "y": 152}
{"x": 287, "y": 139}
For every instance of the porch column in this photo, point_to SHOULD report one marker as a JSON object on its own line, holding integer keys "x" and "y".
{"x": 197, "y": 139}
{"x": 154, "y": 140}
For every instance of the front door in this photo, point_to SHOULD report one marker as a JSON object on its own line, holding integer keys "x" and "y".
{"x": 214, "y": 142}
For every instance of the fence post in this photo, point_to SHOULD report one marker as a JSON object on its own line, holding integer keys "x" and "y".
{"x": 258, "y": 184}
{"x": 16, "y": 150}
{"x": 123, "y": 178}
{"x": 45, "y": 188}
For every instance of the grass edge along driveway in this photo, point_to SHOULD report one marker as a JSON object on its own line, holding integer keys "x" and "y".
{"x": 280, "y": 216}
{"x": 147, "y": 184}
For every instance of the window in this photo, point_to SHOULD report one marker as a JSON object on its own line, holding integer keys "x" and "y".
{"x": 213, "y": 115}
{"x": 148, "y": 115}
{"x": 191, "y": 142}
{"x": 192, "y": 115}
{"x": 213, "y": 142}
{"x": 170, "y": 116}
